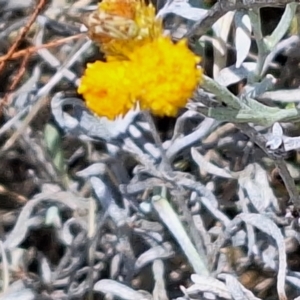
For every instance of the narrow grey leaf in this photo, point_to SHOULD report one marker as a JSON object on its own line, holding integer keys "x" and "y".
{"x": 207, "y": 166}
{"x": 232, "y": 74}
{"x": 255, "y": 89}
{"x": 183, "y": 9}
{"x": 117, "y": 289}
{"x": 237, "y": 290}
{"x": 266, "y": 225}
{"x": 276, "y": 138}
{"x": 84, "y": 124}
{"x": 294, "y": 281}
{"x": 234, "y": 288}
{"x": 242, "y": 37}
{"x": 291, "y": 143}
{"x": 159, "y": 252}
{"x": 208, "y": 284}
{"x": 254, "y": 180}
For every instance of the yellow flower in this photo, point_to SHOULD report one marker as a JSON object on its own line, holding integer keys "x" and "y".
{"x": 107, "y": 88}
{"x": 161, "y": 75}
{"x": 168, "y": 75}
{"x": 122, "y": 8}
{"x": 119, "y": 26}
{"x": 142, "y": 65}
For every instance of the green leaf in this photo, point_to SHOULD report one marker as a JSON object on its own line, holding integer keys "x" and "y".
{"x": 53, "y": 144}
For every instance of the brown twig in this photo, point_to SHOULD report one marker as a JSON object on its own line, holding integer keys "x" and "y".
{"x": 26, "y": 53}
{"x": 15, "y": 45}
{"x": 34, "y": 49}
{"x": 16, "y": 79}
{"x": 23, "y": 32}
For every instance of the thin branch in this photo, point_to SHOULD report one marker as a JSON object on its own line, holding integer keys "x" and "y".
{"x": 23, "y": 33}
{"x": 17, "y": 78}
{"x": 224, "y": 6}
{"x": 34, "y": 49}
{"x": 165, "y": 162}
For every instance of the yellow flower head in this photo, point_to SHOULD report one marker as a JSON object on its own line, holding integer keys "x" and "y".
{"x": 161, "y": 75}
{"x": 121, "y": 8}
{"x": 142, "y": 65}
{"x": 119, "y": 26}
{"x": 168, "y": 75}
{"x": 107, "y": 88}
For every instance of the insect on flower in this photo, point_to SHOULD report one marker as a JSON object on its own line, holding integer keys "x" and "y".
{"x": 104, "y": 27}
{"x": 119, "y": 26}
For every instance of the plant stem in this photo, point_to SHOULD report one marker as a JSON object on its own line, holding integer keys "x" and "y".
{"x": 165, "y": 163}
